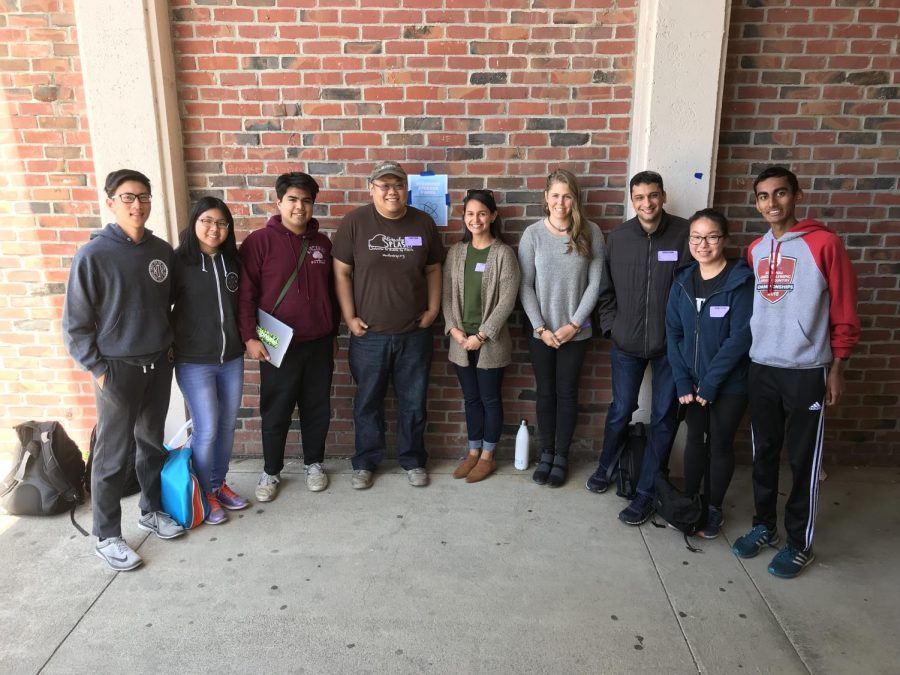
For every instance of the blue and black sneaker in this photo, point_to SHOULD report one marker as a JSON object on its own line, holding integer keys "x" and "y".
{"x": 598, "y": 483}
{"x": 638, "y": 511}
{"x": 790, "y": 561}
{"x": 752, "y": 542}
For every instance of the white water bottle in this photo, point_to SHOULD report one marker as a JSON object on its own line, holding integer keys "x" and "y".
{"x": 521, "y": 461}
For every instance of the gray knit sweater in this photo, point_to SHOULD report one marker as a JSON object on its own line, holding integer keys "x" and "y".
{"x": 559, "y": 287}
{"x": 498, "y": 297}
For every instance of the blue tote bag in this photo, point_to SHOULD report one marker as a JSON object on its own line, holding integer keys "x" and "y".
{"x": 182, "y": 497}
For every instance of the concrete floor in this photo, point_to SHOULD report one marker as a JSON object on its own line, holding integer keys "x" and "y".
{"x": 500, "y": 577}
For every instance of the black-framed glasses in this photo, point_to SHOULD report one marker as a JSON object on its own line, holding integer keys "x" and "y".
{"x": 711, "y": 239}
{"x": 209, "y": 222}
{"x": 387, "y": 187}
{"x": 129, "y": 197}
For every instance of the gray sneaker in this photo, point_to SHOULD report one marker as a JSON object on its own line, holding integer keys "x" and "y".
{"x": 316, "y": 478}
{"x": 117, "y": 554}
{"x": 418, "y": 477}
{"x": 161, "y": 524}
{"x": 361, "y": 480}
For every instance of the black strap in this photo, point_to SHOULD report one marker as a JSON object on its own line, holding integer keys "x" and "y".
{"x": 292, "y": 277}
{"x": 72, "y": 518}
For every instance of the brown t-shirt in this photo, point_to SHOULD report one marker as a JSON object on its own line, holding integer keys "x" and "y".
{"x": 388, "y": 259}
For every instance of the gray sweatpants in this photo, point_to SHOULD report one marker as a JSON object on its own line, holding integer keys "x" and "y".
{"x": 131, "y": 411}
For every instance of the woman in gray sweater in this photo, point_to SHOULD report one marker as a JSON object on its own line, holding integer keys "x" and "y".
{"x": 561, "y": 260}
{"x": 481, "y": 279}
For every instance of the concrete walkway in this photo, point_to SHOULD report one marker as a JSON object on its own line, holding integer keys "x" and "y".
{"x": 497, "y": 577}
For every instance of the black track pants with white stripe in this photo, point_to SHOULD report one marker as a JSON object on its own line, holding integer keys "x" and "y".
{"x": 787, "y": 408}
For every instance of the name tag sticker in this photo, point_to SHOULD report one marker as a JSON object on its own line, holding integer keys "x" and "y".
{"x": 718, "y": 311}
{"x": 667, "y": 256}
{"x": 413, "y": 241}
{"x": 479, "y": 267}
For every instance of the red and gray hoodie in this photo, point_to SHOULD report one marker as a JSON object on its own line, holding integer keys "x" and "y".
{"x": 268, "y": 257}
{"x": 804, "y": 305}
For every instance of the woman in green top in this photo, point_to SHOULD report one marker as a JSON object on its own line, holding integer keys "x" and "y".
{"x": 481, "y": 280}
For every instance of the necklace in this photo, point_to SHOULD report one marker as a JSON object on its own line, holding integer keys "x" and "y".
{"x": 558, "y": 229}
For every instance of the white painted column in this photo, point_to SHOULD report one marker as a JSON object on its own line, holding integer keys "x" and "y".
{"x": 128, "y": 71}
{"x": 679, "y": 72}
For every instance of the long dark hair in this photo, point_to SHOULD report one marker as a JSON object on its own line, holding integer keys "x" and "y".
{"x": 579, "y": 232}
{"x": 188, "y": 244}
{"x": 485, "y": 197}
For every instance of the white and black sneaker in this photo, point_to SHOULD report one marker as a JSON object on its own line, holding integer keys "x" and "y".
{"x": 117, "y": 554}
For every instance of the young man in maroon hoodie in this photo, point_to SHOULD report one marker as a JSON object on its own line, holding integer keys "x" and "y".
{"x": 804, "y": 327}
{"x": 291, "y": 241}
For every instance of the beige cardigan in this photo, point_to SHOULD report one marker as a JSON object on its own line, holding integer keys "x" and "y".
{"x": 499, "y": 287}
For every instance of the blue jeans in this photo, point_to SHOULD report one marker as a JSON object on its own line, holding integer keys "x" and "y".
{"x": 213, "y": 395}
{"x": 376, "y": 358}
{"x": 483, "y": 403}
{"x": 627, "y": 375}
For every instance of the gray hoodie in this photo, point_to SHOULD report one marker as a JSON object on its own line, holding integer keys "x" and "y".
{"x": 118, "y": 300}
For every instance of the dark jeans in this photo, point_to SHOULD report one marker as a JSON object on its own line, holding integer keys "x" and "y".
{"x": 483, "y": 402}
{"x": 720, "y": 420}
{"x": 556, "y": 374}
{"x": 131, "y": 412}
{"x": 303, "y": 381}
{"x": 627, "y": 375}
{"x": 375, "y": 359}
{"x": 787, "y": 407}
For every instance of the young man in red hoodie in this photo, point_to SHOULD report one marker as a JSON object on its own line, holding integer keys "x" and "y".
{"x": 804, "y": 327}
{"x": 269, "y": 257}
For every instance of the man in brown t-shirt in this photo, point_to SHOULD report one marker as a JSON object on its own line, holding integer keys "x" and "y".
{"x": 387, "y": 266}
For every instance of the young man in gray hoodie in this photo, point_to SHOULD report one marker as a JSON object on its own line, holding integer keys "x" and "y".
{"x": 116, "y": 326}
{"x": 804, "y": 327}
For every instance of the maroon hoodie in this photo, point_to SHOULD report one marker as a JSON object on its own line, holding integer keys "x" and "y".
{"x": 268, "y": 257}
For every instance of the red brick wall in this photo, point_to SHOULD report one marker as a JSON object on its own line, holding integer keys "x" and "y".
{"x": 495, "y": 98}
{"x": 48, "y": 204}
{"x": 813, "y": 85}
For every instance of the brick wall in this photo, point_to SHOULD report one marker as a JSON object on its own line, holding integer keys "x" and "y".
{"x": 493, "y": 97}
{"x": 813, "y": 85}
{"x": 47, "y": 206}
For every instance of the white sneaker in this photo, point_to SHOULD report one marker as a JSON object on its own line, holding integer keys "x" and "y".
{"x": 418, "y": 477}
{"x": 316, "y": 478}
{"x": 267, "y": 487}
{"x": 361, "y": 480}
{"x": 117, "y": 554}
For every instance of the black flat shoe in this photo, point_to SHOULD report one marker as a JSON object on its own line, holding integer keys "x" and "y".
{"x": 542, "y": 472}
{"x": 558, "y": 473}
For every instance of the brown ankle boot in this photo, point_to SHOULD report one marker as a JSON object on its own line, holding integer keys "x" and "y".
{"x": 482, "y": 470}
{"x": 465, "y": 466}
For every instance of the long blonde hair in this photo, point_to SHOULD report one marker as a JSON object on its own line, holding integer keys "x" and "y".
{"x": 579, "y": 232}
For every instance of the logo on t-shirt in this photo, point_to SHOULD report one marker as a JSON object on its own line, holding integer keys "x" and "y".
{"x": 231, "y": 281}
{"x": 317, "y": 255}
{"x": 783, "y": 272}
{"x": 382, "y": 242}
{"x": 158, "y": 270}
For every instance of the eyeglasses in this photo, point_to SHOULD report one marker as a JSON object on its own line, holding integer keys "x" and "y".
{"x": 711, "y": 239}
{"x": 129, "y": 197}
{"x": 209, "y": 222}
{"x": 387, "y": 187}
